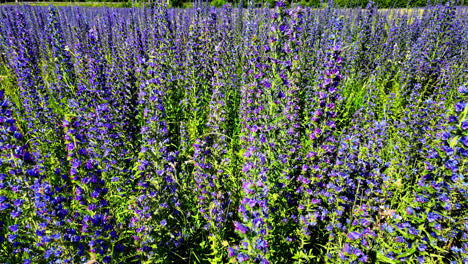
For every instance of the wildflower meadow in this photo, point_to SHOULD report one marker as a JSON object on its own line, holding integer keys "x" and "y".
{"x": 233, "y": 135}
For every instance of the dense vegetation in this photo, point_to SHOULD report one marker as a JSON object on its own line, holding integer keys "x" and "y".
{"x": 271, "y": 3}
{"x": 204, "y": 135}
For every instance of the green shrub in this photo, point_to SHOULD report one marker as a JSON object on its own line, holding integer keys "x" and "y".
{"x": 218, "y": 3}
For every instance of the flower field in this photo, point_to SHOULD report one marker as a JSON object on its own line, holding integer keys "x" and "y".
{"x": 227, "y": 135}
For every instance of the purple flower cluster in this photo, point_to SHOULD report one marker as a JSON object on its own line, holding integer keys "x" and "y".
{"x": 17, "y": 171}
{"x": 94, "y": 231}
{"x": 321, "y": 143}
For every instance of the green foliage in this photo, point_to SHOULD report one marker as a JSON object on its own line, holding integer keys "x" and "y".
{"x": 310, "y": 3}
{"x": 218, "y": 3}
{"x": 177, "y": 3}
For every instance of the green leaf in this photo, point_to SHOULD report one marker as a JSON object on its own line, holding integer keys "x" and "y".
{"x": 385, "y": 259}
{"x": 407, "y": 253}
{"x": 453, "y": 142}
